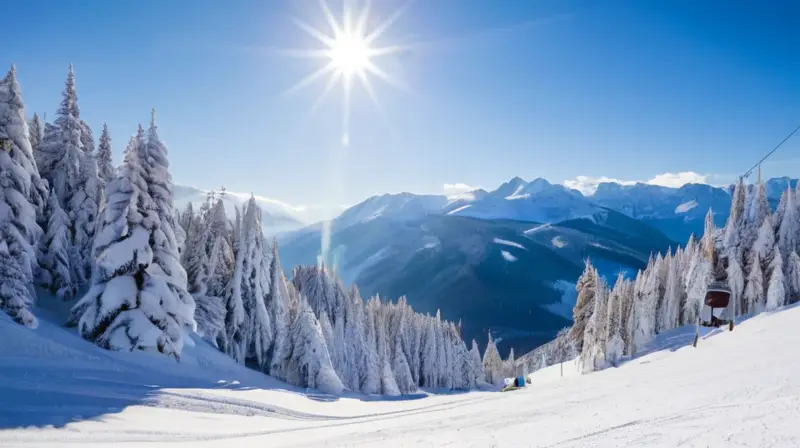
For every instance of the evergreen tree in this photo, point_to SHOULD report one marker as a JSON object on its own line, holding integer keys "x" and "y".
{"x": 793, "y": 277}
{"x": 776, "y": 292}
{"x": 278, "y": 307}
{"x": 595, "y": 336}
{"x": 492, "y": 363}
{"x": 131, "y": 304}
{"x": 736, "y": 218}
{"x": 19, "y": 231}
{"x": 477, "y": 363}
{"x": 62, "y": 149}
{"x": 310, "y": 363}
{"x": 788, "y": 224}
{"x": 153, "y": 155}
{"x": 584, "y": 305}
{"x": 754, "y": 291}
{"x": 35, "y": 130}
{"x": 105, "y": 164}
{"x": 56, "y": 273}
{"x": 673, "y": 292}
{"x": 615, "y": 344}
{"x": 87, "y": 139}
{"x": 736, "y": 284}
{"x": 85, "y": 205}
{"x": 255, "y": 286}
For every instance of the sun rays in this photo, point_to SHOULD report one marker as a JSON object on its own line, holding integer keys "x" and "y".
{"x": 348, "y": 54}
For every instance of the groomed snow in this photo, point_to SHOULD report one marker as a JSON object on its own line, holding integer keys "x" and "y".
{"x": 735, "y": 389}
{"x": 508, "y": 256}
{"x": 508, "y": 243}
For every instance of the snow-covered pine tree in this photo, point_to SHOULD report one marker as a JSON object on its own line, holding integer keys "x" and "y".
{"x": 278, "y": 308}
{"x": 56, "y": 273}
{"x": 615, "y": 344}
{"x": 671, "y": 304}
{"x": 87, "y": 139}
{"x": 310, "y": 362}
{"x": 764, "y": 245}
{"x": 754, "y": 299}
{"x": 793, "y": 278}
{"x": 35, "y": 130}
{"x": 477, "y": 363}
{"x": 788, "y": 224}
{"x": 19, "y": 231}
{"x": 105, "y": 164}
{"x": 776, "y": 291}
{"x": 697, "y": 278}
{"x": 166, "y": 256}
{"x": 584, "y": 304}
{"x": 62, "y": 149}
{"x": 130, "y": 304}
{"x": 85, "y": 204}
{"x": 644, "y": 325}
{"x": 736, "y": 284}
{"x": 255, "y": 287}
{"x": 492, "y": 363}
{"x": 236, "y": 332}
{"x": 736, "y": 219}
{"x": 757, "y": 210}
{"x": 595, "y": 336}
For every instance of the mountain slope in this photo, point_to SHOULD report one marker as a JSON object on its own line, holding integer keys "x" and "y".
{"x": 513, "y": 277}
{"x": 737, "y": 387}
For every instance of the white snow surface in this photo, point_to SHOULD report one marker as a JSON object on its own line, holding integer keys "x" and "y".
{"x": 736, "y": 388}
{"x": 508, "y": 243}
{"x": 508, "y": 256}
{"x": 685, "y": 207}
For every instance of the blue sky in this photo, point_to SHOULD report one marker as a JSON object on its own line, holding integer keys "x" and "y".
{"x": 557, "y": 89}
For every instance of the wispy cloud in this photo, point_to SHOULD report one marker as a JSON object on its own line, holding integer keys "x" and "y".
{"x": 451, "y": 189}
{"x": 588, "y": 185}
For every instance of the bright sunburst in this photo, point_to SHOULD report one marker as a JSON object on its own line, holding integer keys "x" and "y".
{"x": 349, "y": 53}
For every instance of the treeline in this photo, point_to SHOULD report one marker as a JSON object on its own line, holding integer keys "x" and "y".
{"x": 70, "y": 221}
{"x": 755, "y": 253}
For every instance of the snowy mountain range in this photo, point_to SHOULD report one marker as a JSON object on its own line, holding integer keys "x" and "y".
{"x": 511, "y": 276}
{"x": 506, "y": 259}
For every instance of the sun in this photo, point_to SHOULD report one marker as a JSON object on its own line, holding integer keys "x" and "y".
{"x": 349, "y": 53}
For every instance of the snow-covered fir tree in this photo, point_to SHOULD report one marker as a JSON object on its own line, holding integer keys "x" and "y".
{"x": 776, "y": 290}
{"x": 85, "y": 205}
{"x": 105, "y": 164}
{"x": 584, "y": 305}
{"x": 56, "y": 273}
{"x": 132, "y": 303}
{"x": 19, "y": 231}
{"x": 492, "y": 363}
{"x": 36, "y": 131}
{"x": 310, "y": 364}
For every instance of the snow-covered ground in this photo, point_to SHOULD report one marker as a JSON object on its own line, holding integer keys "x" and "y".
{"x": 735, "y": 389}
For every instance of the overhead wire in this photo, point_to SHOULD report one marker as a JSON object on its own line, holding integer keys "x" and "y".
{"x": 750, "y": 171}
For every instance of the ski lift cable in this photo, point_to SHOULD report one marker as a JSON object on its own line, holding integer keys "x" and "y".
{"x": 750, "y": 171}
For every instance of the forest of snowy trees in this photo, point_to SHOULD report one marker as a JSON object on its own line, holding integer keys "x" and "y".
{"x": 144, "y": 275}
{"x": 755, "y": 253}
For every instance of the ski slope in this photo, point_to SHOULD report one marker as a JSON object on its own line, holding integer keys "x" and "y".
{"x": 735, "y": 389}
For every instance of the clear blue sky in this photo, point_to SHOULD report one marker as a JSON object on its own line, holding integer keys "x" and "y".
{"x": 545, "y": 88}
